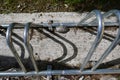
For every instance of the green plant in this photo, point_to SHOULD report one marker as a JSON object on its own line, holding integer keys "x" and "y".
{"x": 8, "y": 2}
{"x": 73, "y": 1}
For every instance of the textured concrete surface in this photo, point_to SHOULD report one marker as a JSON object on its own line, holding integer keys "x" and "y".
{"x": 70, "y": 48}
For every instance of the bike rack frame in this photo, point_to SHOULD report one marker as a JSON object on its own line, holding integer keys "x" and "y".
{"x": 98, "y": 21}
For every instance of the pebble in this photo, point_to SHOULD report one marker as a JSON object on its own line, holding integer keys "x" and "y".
{"x": 62, "y": 29}
{"x": 81, "y": 78}
{"x": 108, "y": 77}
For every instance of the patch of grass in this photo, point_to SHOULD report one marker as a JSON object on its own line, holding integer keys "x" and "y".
{"x": 73, "y": 1}
{"x": 31, "y": 6}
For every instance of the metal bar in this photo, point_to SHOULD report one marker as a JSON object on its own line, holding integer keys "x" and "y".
{"x": 28, "y": 46}
{"x": 64, "y": 24}
{"x": 11, "y": 46}
{"x": 98, "y": 37}
{"x": 105, "y": 15}
{"x": 114, "y": 43}
{"x": 91, "y": 14}
{"x": 49, "y": 69}
{"x": 62, "y": 72}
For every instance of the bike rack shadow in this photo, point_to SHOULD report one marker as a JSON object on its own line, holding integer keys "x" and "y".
{"x": 90, "y": 30}
{"x": 10, "y": 63}
{"x": 39, "y": 62}
{"x": 108, "y": 37}
{"x": 16, "y": 42}
{"x": 75, "y": 49}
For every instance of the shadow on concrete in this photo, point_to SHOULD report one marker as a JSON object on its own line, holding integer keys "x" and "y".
{"x": 59, "y": 63}
{"x": 57, "y": 41}
{"x": 3, "y": 33}
{"x": 106, "y": 36}
{"x": 110, "y": 38}
{"x": 7, "y": 63}
{"x": 75, "y": 49}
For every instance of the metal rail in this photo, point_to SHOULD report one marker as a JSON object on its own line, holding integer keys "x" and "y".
{"x": 98, "y": 37}
{"x": 11, "y": 46}
{"x": 28, "y": 46}
{"x": 61, "y": 72}
{"x": 116, "y": 40}
{"x": 63, "y": 24}
{"x": 98, "y": 21}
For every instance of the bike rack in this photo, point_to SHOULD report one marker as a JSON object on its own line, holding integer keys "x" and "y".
{"x": 98, "y": 21}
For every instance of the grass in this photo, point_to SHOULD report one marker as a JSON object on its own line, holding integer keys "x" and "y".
{"x": 30, "y": 6}
{"x": 73, "y": 1}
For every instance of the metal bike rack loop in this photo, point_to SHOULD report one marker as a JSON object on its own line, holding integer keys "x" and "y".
{"x": 116, "y": 40}
{"x": 98, "y": 37}
{"x": 11, "y": 46}
{"x": 28, "y": 46}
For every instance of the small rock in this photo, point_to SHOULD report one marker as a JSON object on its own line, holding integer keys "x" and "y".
{"x": 81, "y": 78}
{"x": 66, "y": 6}
{"x": 63, "y": 78}
{"x": 62, "y": 29}
{"x": 108, "y": 77}
{"x": 87, "y": 78}
{"x": 19, "y": 6}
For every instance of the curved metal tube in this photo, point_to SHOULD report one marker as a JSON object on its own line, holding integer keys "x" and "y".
{"x": 11, "y": 46}
{"x": 114, "y": 43}
{"x": 28, "y": 46}
{"x": 98, "y": 37}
